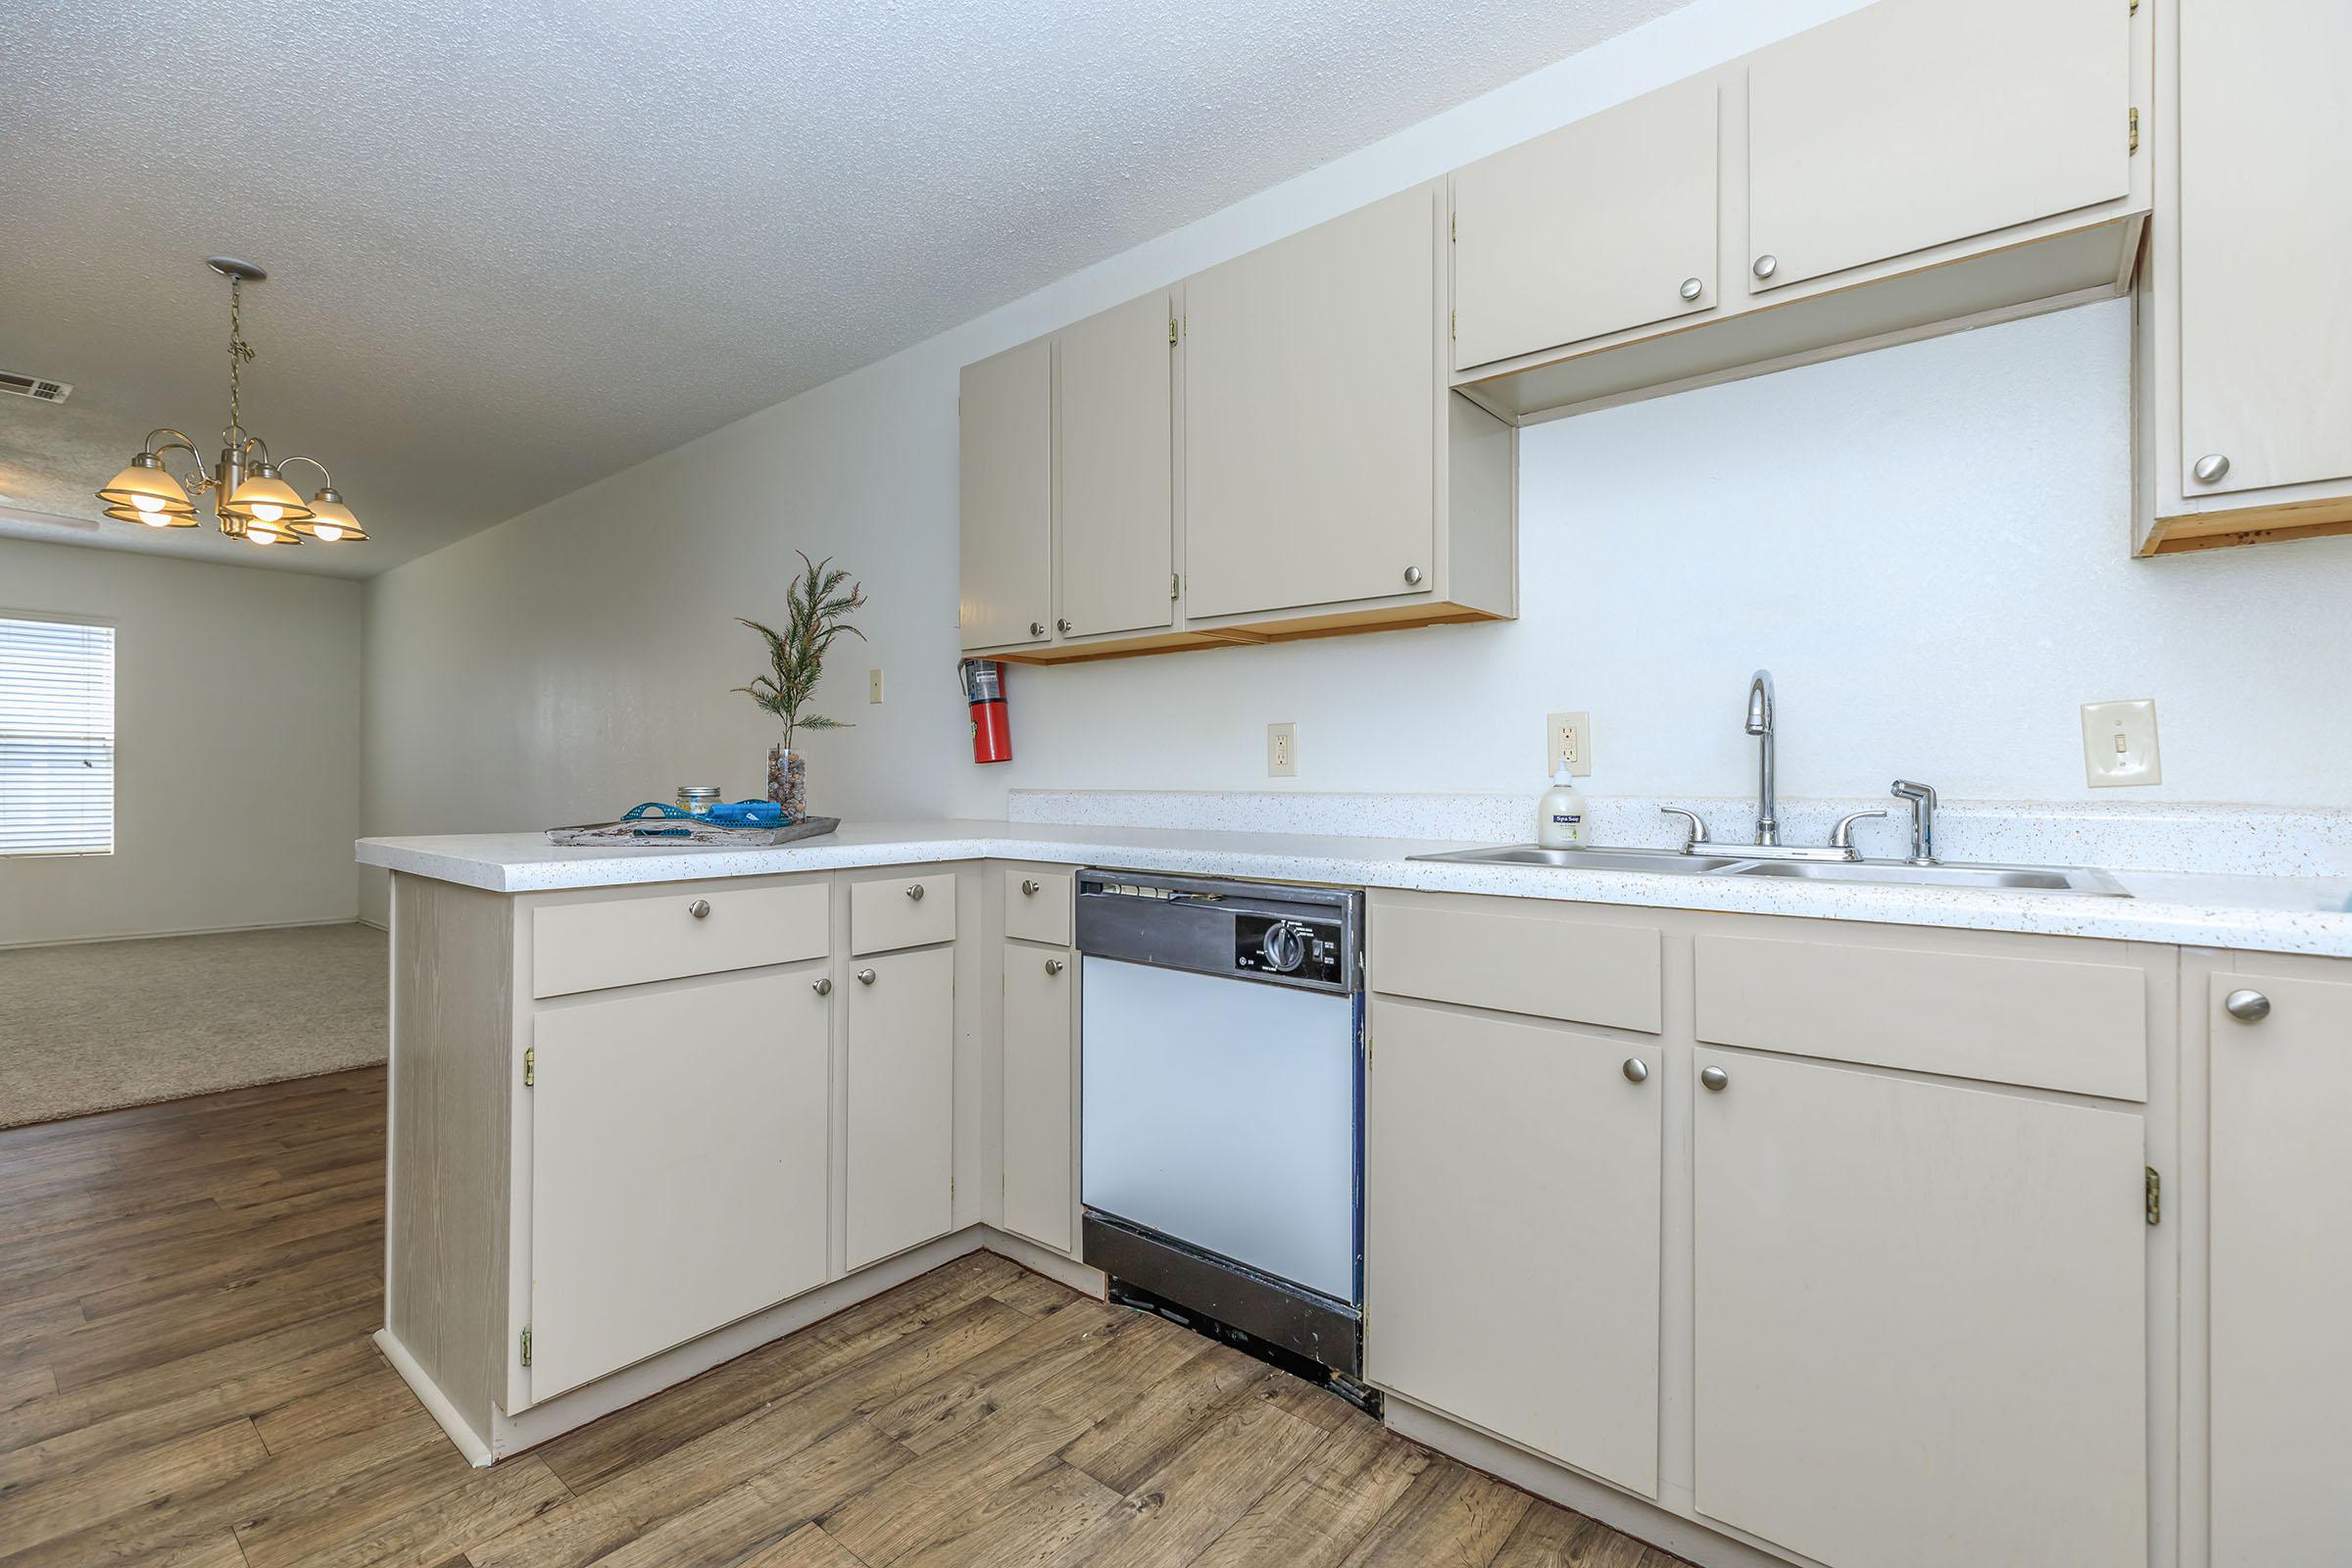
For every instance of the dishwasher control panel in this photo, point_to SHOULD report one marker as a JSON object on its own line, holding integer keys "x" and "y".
{"x": 1266, "y": 933}
{"x": 1309, "y": 949}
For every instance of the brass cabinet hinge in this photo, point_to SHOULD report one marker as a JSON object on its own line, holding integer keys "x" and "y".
{"x": 2135, "y": 131}
{"x": 527, "y": 1346}
{"x": 531, "y": 1065}
{"x": 2155, "y": 1197}
{"x": 1171, "y": 329}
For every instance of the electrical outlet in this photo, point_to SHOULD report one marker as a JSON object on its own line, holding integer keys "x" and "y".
{"x": 1568, "y": 738}
{"x": 2119, "y": 743}
{"x": 1282, "y": 751}
{"x": 873, "y": 685}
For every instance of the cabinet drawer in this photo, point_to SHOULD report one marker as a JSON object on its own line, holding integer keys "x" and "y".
{"x": 1546, "y": 964}
{"x": 657, "y": 936}
{"x": 902, "y": 912}
{"x": 1037, "y": 905}
{"x": 2044, "y": 1023}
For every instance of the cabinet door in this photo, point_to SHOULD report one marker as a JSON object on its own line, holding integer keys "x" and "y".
{"x": 2281, "y": 1271}
{"x": 1040, "y": 1082}
{"x": 2265, "y": 157}
{"x": 1921, "y": 1320}
{"x": 1600, "y": 227}
{"x": 1511, "y": 1233}
{"x": 1915, "y": 122}
{"x": 1117, "y": 527}
{"x": 902, "y": 1102}
{"x": 1005, "y": 520}
{"x": 1311, "y": 416}
{"x": 678, "y": 1166}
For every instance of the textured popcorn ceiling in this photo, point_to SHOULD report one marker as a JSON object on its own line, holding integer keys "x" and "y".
{"x": 515, "y": 248}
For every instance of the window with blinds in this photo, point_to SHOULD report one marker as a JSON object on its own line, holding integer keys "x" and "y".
{"x": 57, "y": 737}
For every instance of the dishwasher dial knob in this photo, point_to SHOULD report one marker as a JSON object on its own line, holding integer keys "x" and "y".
{"x": 1284, "y": 947}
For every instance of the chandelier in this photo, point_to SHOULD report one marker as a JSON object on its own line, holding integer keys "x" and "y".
{"x": 253, "y": 503}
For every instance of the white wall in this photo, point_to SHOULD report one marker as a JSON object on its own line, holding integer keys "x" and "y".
{"x": 1928, "y": 545}
{"x": 237, "y": 747}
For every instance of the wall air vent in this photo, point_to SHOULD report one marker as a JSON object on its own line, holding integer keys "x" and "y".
{"x": 34, "y": 387}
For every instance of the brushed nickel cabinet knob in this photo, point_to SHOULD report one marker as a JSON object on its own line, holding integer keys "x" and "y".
{"x": 1766, "y": 266}
{"x": 1412, "y": 576}
{"x": 866, "y": 977}
{"x": 2211, "y": 468}
{"x": 1028, "y": 886}
{"x": 1062, "y": 626}
{"x": 1036, "y": 628}
{"x": 699, "y": 909}
{"x": 914, "y": 891}
{"x": 1635, "y": 1070}
{"x": 823, "y": 988}
{"x": 1054, "y": 966}
{"x": 2246, "y": 1006}
{"x": 1693, "y": 288}
{"x": 1714, "y": 1078}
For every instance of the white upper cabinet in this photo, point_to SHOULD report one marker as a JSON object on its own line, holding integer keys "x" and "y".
{"x": 1911, "y": 123}
{"x": 1605, "y": 224}
{"x": 2266, "y": 166}
{"x": 1006, "y": 510}
{"x": 1115, "y": 457}
{"x": 1312, "y": 416}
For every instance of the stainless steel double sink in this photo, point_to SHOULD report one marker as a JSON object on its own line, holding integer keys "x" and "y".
{"x": 1902, "y": 873}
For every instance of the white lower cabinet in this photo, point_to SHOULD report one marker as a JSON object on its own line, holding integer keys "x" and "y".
{"x": 1041, "y": 1084}
{"x": 1512, "y": 1231}
{"x": 1921, "y": 1319}
{"x": 2282, "y": 1268}
{"x": 679, "y": 1165}
{"x": 900, "y": 1176}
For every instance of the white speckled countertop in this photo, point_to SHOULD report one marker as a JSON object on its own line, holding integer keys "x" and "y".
{"x": 2277, "y": 913}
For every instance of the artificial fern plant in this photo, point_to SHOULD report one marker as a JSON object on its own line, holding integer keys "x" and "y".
{"x": 816, "y": 610}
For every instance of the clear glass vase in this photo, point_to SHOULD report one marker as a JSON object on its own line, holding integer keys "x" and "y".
{"x": 788, "y": 781}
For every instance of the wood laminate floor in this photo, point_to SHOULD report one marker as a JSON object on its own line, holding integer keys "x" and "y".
{"x": 186, "y": 1292}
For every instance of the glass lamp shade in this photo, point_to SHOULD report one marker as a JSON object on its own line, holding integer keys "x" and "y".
{"x": 267, "y": 499}
{"x": 160, "y": 517}
{"x": 331, "y": 523}
{"x": 145, "y": 487}
{"x": 254, "y": 531}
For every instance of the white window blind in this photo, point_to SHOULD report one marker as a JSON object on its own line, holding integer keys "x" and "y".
{"x": 57, "y": 738}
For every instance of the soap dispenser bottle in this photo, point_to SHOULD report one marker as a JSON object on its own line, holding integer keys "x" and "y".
{"x": 1561, "y": 815}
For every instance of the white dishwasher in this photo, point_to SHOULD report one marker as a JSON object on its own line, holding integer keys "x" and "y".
{"x": 1221, "y": 1161}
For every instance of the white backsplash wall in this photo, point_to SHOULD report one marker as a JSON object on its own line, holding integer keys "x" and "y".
{"x": 1928, "y": 545}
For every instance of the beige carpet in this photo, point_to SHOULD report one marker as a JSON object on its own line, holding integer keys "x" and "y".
{"x": 99, "y": 1024}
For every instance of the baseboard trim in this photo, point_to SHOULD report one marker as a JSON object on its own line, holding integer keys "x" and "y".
{"x": 470, "y": 1443}
{"x": 192, "y": 931}
{"x": 512, "y": 1434}
{"x": 1059, "y": 1267}
{"x": 1620, "y": 1511}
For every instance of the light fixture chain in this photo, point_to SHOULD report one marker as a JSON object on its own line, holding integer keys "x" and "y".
{"x": 239, "y": 352}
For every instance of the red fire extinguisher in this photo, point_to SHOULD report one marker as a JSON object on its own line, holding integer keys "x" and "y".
{"x": 983, "y": 681}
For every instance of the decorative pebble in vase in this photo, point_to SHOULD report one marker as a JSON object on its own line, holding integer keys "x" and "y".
{"x": 788, "y": 781}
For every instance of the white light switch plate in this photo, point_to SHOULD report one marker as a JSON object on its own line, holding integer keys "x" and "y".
{"x": 1282, "y": 751}
{"x": 1568, "y": 736}
{"x": 2119, "y": 743}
